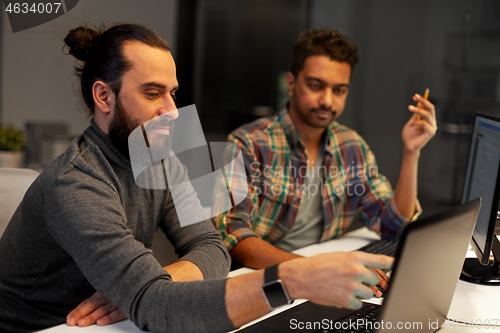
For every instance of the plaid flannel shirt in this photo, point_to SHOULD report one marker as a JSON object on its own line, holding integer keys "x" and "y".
{"x": 275, "y": 163}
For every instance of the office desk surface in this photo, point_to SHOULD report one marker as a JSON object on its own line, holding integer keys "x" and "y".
{"x": 470, "y": 302}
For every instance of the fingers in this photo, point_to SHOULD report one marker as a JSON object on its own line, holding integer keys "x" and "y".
{"x": 424, "y": 103}
{"x": 413, "y": 118}
{"x": 383, "y": 279}
{"x": 377, "y": 291}
{"x": 354, "y": 304}
{"x": 101, "y": 313}
{"x": 368, "y": 277}
{"x": 356, "y": 295}
{"x": 424, "y": 114}
{"x": 374, "y": 261}
{"x": 424, "y": 108}
{"x": 85, "y": 308}
{"x": 383, "y": 282}
{"x": 96, "y": 309}
{"x": 373, "y": 278}
{"x": 341, "y": 278}
{"x": 426, "y": 127}
{"x": 111, "y": 318}
{"x": 362, "y": 292}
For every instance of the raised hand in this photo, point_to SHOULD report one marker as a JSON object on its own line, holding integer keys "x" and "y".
{"x": 422, "y": 125}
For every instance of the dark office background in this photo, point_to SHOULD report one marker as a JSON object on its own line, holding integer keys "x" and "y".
{"x": 231, "y": 56}
{"x": 236, "y": 51}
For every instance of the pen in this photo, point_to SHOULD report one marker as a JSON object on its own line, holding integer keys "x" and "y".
{"x": 426, "y": 96}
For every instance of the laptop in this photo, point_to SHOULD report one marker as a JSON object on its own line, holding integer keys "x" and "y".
{"x": 428, "y": 263}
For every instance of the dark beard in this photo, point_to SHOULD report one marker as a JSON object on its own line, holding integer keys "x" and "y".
{"x": 160, "y": 144}
{"x": 120, "y": 128}
{"x": 305, "y": 116}
{"x": 122, "y": 125}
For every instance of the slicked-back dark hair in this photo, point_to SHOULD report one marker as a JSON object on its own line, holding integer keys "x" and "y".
{"x": 323, "y": 41}
{"x": 102, "y": 54}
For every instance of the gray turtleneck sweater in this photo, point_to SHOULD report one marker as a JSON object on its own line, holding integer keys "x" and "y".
{"x": 84, "y": 225}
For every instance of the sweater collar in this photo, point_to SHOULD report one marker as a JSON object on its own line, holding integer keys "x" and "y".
{"x": 103, "y": 141}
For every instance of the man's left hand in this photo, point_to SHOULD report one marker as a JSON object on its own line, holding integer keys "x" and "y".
{"x": 422, "y": 125}
{"x": 95, "y": 310}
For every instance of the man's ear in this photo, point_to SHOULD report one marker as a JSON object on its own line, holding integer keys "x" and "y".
{"x": 104, "y": 98}
{"x": 290, "y": 82}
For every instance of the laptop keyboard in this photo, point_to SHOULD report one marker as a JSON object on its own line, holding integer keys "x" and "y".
{"x": 359, "y": 321}
{"x": 383, "y": 246}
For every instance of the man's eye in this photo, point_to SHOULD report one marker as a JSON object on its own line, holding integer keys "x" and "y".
{"x": 340, "y": 91}
{"x": 152, "y": 94}
{"x": 314, "y": 86}
{"x": 173, "y": 96}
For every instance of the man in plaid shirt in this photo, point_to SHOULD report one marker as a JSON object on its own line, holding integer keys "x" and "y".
{"x": 308, "y": 175}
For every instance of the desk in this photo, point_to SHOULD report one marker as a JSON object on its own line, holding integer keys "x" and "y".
{"x": 470, "y": 302}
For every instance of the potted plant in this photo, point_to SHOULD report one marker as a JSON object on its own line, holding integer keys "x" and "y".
{"x": 12, "y": 144}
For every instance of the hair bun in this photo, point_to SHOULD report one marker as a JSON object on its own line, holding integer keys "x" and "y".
{"x": 79, "y": 41}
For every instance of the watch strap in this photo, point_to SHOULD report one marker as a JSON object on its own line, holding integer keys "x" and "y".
{"x": 271, "y": 274}
{"x": 273, "y": 289}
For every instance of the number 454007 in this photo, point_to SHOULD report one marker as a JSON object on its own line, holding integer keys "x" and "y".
{"x": 40, "y": 8}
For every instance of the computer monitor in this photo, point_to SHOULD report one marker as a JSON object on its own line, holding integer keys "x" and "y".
{"x": 482, "y": 180}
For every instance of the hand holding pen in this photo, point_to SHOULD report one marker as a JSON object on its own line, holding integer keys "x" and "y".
{"x": 422, "y": 125}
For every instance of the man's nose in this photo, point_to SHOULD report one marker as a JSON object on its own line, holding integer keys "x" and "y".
{"x": 326, "y": 99}
{"x": 172, "y": 114}
{"x": 169, "y": 109}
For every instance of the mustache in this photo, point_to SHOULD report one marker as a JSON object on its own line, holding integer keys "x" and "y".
{"x": 333, "y": 112}
{"x": 170, "y": 123}
{"x": 160, "y": 123}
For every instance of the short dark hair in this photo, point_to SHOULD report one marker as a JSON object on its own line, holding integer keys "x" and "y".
{"x": 323, "y": 41}
{"x": 102, "y": 54}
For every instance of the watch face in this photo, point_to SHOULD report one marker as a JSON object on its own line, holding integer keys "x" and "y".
{"x": 276, "y": 294}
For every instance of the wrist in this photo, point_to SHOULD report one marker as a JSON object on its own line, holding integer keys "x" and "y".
{"x": 274, "y": 289}
{"x": 288, "y": 274}
{"x": 411, "y": 154}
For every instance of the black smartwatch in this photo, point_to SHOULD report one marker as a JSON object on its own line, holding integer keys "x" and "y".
{"x": 273, "y": 289}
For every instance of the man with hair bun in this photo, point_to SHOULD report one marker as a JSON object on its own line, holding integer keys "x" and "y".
{"x": 83, "y": 230}
{"x": 309, "y": 177}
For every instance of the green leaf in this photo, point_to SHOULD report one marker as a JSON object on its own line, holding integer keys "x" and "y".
{"x": 11, "y": 139}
